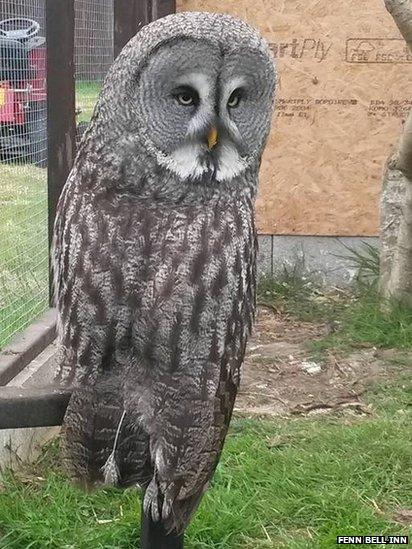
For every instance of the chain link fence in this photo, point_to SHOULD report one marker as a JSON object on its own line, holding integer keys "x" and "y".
{"x": 23, "y": 143}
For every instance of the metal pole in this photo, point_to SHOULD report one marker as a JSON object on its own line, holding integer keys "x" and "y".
{"x": 61, "y": 130}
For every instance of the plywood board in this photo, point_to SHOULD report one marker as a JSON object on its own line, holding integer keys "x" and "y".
{"x": 344, "y": 91}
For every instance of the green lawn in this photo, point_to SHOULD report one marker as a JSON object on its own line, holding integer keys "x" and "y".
{"x": 358, "y": 315}
{"x": 23, "y": 247}
{"x": 23, "y": 235}
{"x": 292, "y": 483}
{"x": 86, "y": 97}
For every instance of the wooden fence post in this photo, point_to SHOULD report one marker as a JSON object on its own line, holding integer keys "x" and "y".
{"x": 61, "y": 130}
{"x": 22, "y": 407}
{"x": 129, "y": 17}
{"x": 160, "y": 8}
{"x": 132, "y": 15}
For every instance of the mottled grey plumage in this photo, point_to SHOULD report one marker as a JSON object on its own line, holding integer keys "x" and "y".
{"x": 154, "y": 260}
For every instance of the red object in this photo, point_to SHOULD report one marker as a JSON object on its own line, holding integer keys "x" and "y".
{"x": 37, "y": 60}
{"x": 14, "y": 100}
{"x": 7, "y": 103}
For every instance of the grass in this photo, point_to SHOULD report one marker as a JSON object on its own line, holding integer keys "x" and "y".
{"x": 359, "y": 316}
{"x": 86, "y": 97}
{"x": 23, "y": 247}
{"x": 290, "y": 483}
{"x": 23, "y": 235}
{"x": 292, "y": 293}
{"x": 365, "y": 322}
{"x": 366, "y": 261}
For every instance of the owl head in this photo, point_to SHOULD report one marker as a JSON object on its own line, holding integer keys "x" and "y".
{"x": 197, "y": 89}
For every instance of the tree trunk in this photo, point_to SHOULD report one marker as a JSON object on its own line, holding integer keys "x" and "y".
{"x": 396, "y": 201}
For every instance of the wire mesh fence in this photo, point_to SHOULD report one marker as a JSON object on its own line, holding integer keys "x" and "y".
{"x": 93, "y": 52}
{"x": 93, "y": 41}
{"x": 23, "y": 158}
{"x": 23, "y": 143}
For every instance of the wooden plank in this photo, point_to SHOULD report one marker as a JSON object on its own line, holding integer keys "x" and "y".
{"x": 143, "y": 13}
{"x": 161, "y": 8}
{"x": 26, "y": 346}
{"x": 60, "y": 102}
{"x": 22, "y": 407}
{"x": 129, "y": 17}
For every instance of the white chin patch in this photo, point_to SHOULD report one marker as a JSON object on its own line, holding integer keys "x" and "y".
{"x": 186, "y": 162}
{"x": 229, "y": 163}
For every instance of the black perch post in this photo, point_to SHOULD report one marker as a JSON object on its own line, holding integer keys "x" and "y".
{"x": 154, "y": 536}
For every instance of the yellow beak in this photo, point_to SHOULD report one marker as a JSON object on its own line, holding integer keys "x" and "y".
{"x": 212, "y": 137}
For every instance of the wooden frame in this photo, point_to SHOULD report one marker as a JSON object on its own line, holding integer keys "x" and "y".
{"x": 132, "y": 15}
{"x": 22, "y": 407}
{"x": 61, "y": 129}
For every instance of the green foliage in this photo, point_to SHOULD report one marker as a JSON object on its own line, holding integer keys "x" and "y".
{"x": 294, "y": 483}
{"x": 366, "y": 261}
{"x": 360, "y": 316}
{"x": 294, "y": 293}
{"x": 367, "y": 321}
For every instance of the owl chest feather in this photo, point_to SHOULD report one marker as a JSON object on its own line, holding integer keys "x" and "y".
{"x": 166, "y": 290}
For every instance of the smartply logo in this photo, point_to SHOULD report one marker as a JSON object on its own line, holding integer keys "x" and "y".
{"x": 302, "y": 48}
{"x": 372, "y": 540}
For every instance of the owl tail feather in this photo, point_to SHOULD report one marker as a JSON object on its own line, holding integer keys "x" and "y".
{"x": 110, "y": 469}
{"x": 154, "y": 535}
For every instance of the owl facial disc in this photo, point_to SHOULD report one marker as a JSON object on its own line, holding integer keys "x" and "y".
{"x": 206, "y": 109}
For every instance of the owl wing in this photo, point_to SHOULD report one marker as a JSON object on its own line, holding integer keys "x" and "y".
{"x": 188, "y": 453}
{"x": 192, "y": 409}
{"x": 86, "y": 272}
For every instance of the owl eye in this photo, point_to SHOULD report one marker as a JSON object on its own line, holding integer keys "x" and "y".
{"x": 234, "y": 99}
{"x": 186, "y": 96}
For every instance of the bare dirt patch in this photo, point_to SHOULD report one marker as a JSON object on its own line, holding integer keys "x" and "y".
{"x": 403, "y": 516}
{"x": 280, "y": 378}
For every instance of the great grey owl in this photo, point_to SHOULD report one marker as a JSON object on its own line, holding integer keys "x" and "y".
{"x": 155, "y": 258}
